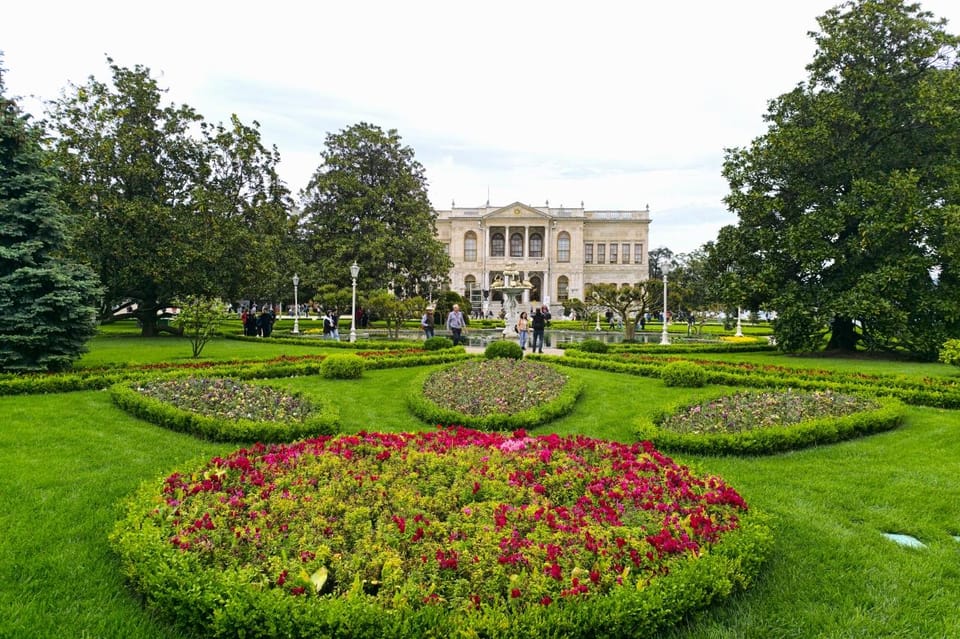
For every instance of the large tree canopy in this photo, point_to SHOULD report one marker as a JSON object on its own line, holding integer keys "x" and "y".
{"x": 368, "y": 202}
{"x": 49, "y": 303}
{"x": 849, "y": 205}
{"x": 166, "y": 205}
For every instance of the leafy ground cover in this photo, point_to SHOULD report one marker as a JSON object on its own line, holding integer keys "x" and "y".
{"x": 227, "y": 399}
{"x": 746, "y": 411}
{"x": 489, "y": 527}
{"x": 493, "y": 394}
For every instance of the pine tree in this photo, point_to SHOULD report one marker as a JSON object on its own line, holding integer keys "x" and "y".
{"x": 47, "y": 304}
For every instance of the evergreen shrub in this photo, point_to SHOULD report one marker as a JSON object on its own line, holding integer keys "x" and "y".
{"x": 684, "y": 375}
{"x": 503, "y": 348}
{"x": 437, "y": 343}
{"x": 342, "y": 367}
{"x": 593, "y": 346}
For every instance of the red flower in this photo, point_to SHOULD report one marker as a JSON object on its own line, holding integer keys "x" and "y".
{"x": 515, "y": 593}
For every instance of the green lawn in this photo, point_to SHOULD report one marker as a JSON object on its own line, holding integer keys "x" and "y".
{"x": 68, "y": 459}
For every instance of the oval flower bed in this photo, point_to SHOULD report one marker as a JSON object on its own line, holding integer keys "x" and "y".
{"x": 411, "y": 535}
{"x": 493, "y": 394}
{"x": 225, "y": 409}
{"x": 769, "y": 422}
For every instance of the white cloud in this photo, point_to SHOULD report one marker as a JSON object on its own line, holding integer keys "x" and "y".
{"x": 617, "y": 103}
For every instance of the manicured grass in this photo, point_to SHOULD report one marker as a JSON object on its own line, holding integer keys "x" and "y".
{"x": 130, "y": 349}
{"x": 68, "y": 459}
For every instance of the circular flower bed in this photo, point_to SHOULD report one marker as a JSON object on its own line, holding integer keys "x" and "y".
{"x": 225, "y": 409}
{"x": 409, "y": 535}
{"x": 761, "y": 422}
{"x": 494, "y": 394}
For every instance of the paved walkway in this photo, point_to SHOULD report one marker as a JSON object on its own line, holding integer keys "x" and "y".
{"x": 546, "y": 350}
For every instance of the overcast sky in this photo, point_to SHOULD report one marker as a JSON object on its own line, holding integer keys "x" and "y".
{"x": 619, "y": 105}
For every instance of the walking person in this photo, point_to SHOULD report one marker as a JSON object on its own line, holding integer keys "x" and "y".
{"x": 539, "y": 324}
{"x": 426, "y": 323}
{"x": 456, "y": 324}
{"x": 334, "y": 325}
{"x": 522, "y": 325}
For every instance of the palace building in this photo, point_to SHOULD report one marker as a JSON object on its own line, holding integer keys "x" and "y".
{"x": 561, "y": 251}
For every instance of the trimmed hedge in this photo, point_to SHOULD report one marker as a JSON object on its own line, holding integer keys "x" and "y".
{"x": 756, "y": 346}
{"x": 101, "y": 378}
{"x": 325, "y": 420}
{"x": 342, "y": 367}
{"x": 181, "y": 586}
{"x": 763, "y": 441}
{"x": 437, "y": 343}
{"x": 683, "y": 375}
{"x": 933, "y": 392}
{"x": 433, "y": 414}
{"x": 593, "y": 346}
{"x": 503, "y": 348}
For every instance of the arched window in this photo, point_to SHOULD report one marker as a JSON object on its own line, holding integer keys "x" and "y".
{"x": 536, "y": 290}
{"x": 471, "y": 290}
{"x": 536, "y": 245}
{"x": 516, "y": 245}
{"x": 470, "y": 247}
{"x": 497, "y": 245}
{"x": 563, "y": 288}
{"x": 563, "y": 247}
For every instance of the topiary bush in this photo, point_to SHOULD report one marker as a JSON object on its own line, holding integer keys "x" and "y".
{"x": 684, "y": 375}
{"x": 437, "y": 343}
{"x": 342, "y": 367}
{"x": 593, "y": 346}
{"x": 503, "y": 348}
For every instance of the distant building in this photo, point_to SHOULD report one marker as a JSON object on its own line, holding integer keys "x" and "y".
{"x": 560, "y": 251}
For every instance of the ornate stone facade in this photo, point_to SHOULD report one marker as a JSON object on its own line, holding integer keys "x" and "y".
{"x": 560, "y": 251}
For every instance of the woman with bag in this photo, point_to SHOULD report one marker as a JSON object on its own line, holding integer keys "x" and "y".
{"x": 522, "y": 326}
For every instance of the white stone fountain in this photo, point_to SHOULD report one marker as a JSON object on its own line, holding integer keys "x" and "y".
{"x": 510, "y": 286}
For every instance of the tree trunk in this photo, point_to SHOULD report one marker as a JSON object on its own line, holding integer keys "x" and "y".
{"x": 843, "y": 336}
{"x": 147, "y": 316}
{"x": 630, "y": 329}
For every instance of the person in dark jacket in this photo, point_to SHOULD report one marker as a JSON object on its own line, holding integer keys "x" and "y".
{"x": 250, "y": 324}
{"x": 539, "y": 323}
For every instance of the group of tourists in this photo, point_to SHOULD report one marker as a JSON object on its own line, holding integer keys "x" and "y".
{"x": 456, "y": 323}
{"x": 258, "y": 324}
{"x": 538, "y": 325}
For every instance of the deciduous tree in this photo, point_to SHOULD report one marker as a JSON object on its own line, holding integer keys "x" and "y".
{"x": 368, "y": 202}
{"x": 849, "y": 204}
{"x": 165, "y": 204}
{"x": 629, "y": 302}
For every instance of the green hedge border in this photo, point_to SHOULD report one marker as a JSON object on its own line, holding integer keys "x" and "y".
{"x": 765, "y": 441}
{"x": 649, "y": 348}
{"x": 99, "y": 379}
{"x": 219, "y": 603}
{"x": 324, "y": 421}
{"x": 434, "y": 414}
{"x": 919, "y": 393}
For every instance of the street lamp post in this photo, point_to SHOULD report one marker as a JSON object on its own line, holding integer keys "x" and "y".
{"x": 354, "y": 271}
{"x": 664, "y": 338}
{"x": 296, "y": 305}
